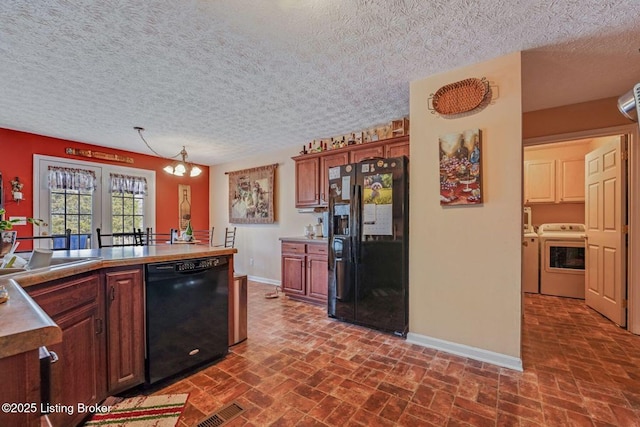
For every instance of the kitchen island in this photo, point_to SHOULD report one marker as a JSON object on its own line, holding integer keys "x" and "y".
{"x": 93, "y": 308}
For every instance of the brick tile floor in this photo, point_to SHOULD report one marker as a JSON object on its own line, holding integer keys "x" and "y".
{"x": 300, "y": 368}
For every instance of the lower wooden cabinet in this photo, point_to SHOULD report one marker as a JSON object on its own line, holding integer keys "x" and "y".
{"x": 305, "y": 270}
{"x": 20, "y": 386}
{"x": 102, "y": 350}
{"x": 78, "y": 377}
{"x": 125, "y": 328}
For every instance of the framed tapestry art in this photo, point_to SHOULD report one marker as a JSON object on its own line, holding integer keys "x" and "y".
{"x": 461, "y": 168}
{"x": 251, "y": 195}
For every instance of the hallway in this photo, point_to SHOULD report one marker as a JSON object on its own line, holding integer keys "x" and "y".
{"x": 300, "y": 368}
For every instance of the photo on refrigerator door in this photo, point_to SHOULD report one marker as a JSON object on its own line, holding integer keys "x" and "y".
{"x": 461, "y": 168}
{"x": 377, "y": 212}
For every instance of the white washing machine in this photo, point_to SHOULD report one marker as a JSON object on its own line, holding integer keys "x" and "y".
{"x": 562, "y": 259}
{"x": 530, "y": 260}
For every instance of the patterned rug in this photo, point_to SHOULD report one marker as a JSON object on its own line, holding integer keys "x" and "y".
{"x": 142, "y": 411}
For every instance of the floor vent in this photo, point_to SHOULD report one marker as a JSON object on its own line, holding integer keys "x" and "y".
{"x": 222, "y": 416}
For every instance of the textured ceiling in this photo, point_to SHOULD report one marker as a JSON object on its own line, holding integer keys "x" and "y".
{"x": 231, "y": 78}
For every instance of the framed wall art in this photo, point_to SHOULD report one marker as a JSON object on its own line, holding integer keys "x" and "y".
{"x": 252, "y": 195}
{"x": 184, "y": 204}
{"x": 461, "y": 168}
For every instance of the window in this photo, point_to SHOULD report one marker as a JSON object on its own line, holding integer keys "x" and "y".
{"x": 82, "y": 196}
{"x": 72, "y": 209}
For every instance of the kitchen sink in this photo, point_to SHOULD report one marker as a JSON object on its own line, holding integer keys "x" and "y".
{"x": 70, "y": 260}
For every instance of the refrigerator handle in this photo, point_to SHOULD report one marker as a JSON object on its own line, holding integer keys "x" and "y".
{"x": 356, "y": 214}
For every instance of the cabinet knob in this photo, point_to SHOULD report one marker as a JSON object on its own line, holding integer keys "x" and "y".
{"x": 525, "y": 243}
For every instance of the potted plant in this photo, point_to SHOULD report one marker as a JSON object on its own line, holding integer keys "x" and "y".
{"x": 8, "y": 237}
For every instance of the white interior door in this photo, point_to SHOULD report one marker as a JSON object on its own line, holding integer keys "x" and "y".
{"x": 605, "y": 218}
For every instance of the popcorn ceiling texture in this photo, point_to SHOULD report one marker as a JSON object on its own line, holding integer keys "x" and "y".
{"x": 229, "y": 78}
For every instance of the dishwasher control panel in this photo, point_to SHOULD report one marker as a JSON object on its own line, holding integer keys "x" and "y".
{"x": 199, "y": 264}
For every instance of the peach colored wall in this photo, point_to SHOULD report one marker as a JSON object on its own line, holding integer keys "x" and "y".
{"x": 598, "y": 114}
{"x": 18, "y": 149}
{"x": 465, "y": 262}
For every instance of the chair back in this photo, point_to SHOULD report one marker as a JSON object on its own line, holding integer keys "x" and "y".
{"x": 205, "y": 237}
{"x": 112, "y": 240}
{"x": 229, "y": 238}
{"x": 57, "y": 242}
{"x": 150, "y": 238}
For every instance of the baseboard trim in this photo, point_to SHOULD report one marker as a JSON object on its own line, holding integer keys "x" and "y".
{"x": 264, "y": 280}
{"x": 474, "y": 353}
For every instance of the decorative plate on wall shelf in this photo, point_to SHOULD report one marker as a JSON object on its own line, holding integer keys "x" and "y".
{"x": 460, "y": 97}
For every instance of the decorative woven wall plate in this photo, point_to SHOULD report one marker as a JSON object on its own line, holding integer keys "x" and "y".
{"x": 460, "y": 97}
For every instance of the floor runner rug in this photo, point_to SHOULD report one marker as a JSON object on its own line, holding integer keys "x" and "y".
{"x": 142, "y": 411}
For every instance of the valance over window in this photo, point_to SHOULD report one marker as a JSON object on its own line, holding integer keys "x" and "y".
{"x": 71, "y": 179}
{"x": 127, "y": 184}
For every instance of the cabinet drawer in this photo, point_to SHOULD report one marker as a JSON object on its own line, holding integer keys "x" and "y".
{"x": 318, "y": 249}
{"x": 293, "y": 248}
{"x": 58, "y": 297}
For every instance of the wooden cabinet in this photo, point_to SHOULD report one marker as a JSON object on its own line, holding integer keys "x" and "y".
{"x": 360, "y": 154}
{"x": 76, "y": 305}
{"x": 312, "y": 178}
{"x": 570, "y": 180}
{"x": 397, "y": 149}
{"x": 327, "y": 162}
{"x": 554, "y": 181}
{"x": 307, "y": 183}
{"x": 539, "y": 181}
{"x": 125, "y": 328}
{"x": 305, "y": 270}
{"x": 21, "y": 384}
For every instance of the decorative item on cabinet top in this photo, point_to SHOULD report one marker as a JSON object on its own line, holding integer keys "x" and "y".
{"x": 395, "y": 128}
{"x": 462, "y": 98}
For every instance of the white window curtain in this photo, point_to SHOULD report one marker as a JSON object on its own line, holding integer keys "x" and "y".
{"x": 61, "y": 178}
{"x": 127, "y": 184}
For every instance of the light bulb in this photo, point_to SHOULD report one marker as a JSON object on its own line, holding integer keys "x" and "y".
{"x": 180, "y": 169}
{"x": 168, "y": 169}
{"x": 195, "y": 171}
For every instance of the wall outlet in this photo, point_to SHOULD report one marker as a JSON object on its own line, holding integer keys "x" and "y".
{"x": 250, "y": 261}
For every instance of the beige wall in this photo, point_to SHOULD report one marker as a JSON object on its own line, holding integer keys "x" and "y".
{"x": 465, "y": 262}
{"x": 259, "y": 241}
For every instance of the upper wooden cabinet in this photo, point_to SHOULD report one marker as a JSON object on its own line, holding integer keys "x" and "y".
{"x": 554, "y": 181}
{"x": 540, "y": 181}
{"x": 326, "y": 162}
{"x": 363, "y": 153}
{"x": 312, "y": 170}
{"x": 397, "y": 149}
{"x": 307, "y": 182}
{"x": 570, "y": 180}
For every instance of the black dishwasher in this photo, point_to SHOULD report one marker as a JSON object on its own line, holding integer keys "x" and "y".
{"x": 186, "y": 309}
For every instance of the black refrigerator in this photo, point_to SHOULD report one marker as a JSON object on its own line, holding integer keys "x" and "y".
{"x": 369, "y": 244}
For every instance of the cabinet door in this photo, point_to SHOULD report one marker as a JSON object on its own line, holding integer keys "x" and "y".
{"x": 327, "y": 162}
{"x": 317, "y": 277}
{"x": 293, "y": 274}
{"x": 307, "y": 188}
{"x": 366, "y": 153}
{"x": 125, "y": 329}
{"x": 570, "y": 180}
{"x": 21, "y": 384}
{"x": 540, "y": 181}
{"x": 397, "y": 150}
{"x": 79, "y": 374}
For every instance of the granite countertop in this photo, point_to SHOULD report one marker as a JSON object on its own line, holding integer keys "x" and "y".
{"x": 303, "y": 239}
{"x": 25, "y": 326}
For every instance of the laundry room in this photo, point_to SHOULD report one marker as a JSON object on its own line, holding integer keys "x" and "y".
{"x": 564, "y": 207}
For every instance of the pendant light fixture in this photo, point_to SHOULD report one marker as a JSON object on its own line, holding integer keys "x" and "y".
{"x": 178, "y": 168}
